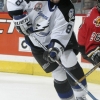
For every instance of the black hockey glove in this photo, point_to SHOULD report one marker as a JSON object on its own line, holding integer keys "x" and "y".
{"x": 23, "y": 24}
{"x": 53, "y": 53}
{"x": 95, "y": 55}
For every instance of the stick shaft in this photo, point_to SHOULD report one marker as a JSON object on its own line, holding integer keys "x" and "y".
{"x": 80, "y": 84}
{"x": 59, "y": 63}
{"x": 88, "y": 73}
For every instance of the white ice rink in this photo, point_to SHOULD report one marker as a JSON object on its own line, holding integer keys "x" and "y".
{"x": 29, "y": 87}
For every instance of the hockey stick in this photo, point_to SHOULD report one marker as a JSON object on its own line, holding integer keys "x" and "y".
{"x": 89, "y": 72}
{"x": 59, "y": 63}
{"x": 94, "y": 68}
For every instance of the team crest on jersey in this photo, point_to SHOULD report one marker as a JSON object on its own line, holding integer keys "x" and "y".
{"x": 41, "y": 26}
{"x": 97, "y": 21}
{"x": 38, "y": 6}
{"x": 71, "y": 14}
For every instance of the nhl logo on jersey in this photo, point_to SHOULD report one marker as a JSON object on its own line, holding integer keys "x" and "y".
{"x": 38, "y": 6}
{"x": 97, "y": 21}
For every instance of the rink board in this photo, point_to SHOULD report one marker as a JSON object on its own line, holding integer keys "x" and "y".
{"x": 35, "y": 69}
{"x": 22, "y": 68}
{"x": 16, "y": 56}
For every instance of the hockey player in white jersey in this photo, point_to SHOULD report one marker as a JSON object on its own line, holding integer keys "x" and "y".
{"x": 51, "y": 22}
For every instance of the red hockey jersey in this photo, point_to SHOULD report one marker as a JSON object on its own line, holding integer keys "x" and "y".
{"x": 89, "y": 31}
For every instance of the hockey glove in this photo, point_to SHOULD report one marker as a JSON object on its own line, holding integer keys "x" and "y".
{"x": 23, "y": 24}
{"x": 95, "y": 55}
{"x": 54, "y": 52}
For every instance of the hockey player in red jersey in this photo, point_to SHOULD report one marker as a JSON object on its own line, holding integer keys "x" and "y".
{"x": 51, "y": 22}
{"x": 89, "y": 35}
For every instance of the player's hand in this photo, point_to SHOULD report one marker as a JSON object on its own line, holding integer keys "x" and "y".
{"x": 23, "y": 24}
{"x": 53, "y": 53}
{"x": 95, "y": 55}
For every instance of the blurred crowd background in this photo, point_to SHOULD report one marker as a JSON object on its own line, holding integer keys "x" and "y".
{"x": 81, "y": 6}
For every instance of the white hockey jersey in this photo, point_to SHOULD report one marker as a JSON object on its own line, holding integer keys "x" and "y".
{"x": 50, "y": 21}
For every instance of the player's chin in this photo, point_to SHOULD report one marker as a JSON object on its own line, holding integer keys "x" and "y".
{"x": 55, "y": 1}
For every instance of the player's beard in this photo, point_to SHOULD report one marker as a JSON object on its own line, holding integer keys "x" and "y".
{"x": 55, "y": 1}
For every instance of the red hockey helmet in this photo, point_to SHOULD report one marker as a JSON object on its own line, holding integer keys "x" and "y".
{"x": 98, "y": 5}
